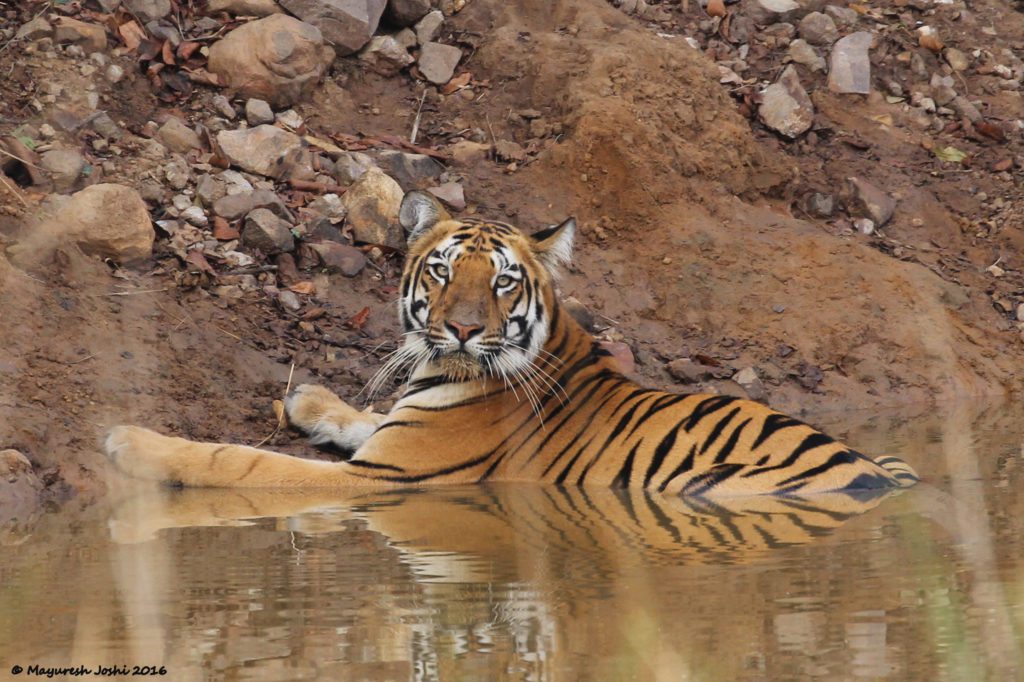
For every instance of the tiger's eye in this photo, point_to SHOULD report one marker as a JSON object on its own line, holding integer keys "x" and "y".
{"x": 441, "y": 271}
{"x": 503, "y": 281}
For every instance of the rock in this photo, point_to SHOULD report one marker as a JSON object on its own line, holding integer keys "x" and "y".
{"x": 785, "y": 106}
{"x": 690, "y": 372}
{"x": 328, "y": 206}
{"x": 258, "y": 112}
{"x": 348, "y": 260}
{"x": 65, "y": 167}
{"x": 450, "y": 193}
{"x": 818, "y": 29}
{"x": 91, "y": 37}
{"x": 406, "y": 12}
{"x": 866, "y": 200}
{"x": 108, "y": 220}
{"x": 429, "y": 27}
{"x": 437, "y": 62}
{"x": 34, "y": 29}
{"x": 289, "y": 301}
{"x": 412, "y": 171}
{"x": 266, "y": 150}
{"x": 385, "y": 55}
{"x": 289, "y": 119}
{"x": 177, "y": 136}
{"x": 819, "y": 205}
{"x": 193, "y": 215}
{"x": 850, "y": 66}
{"x": 466, "y": 153}
{"x": 161, "y": 29}
{"x": 1020, "y": 313}
{"x": 350, "y": 166}
{"x": 406, "y": 38}
{"x": 801, "y": 52}
{"x": 943, "y": 91}
{"x": 751, "y": 383}
{"x": 222, "y": 105}
{"x": 621, "y": 354}
{"x": 844, "y": 17}
{"x": 373, "y": 202}
{"x": 278, "y": 58}
{"x": 114, "y": 73}
{"x": 766, "y": 12}
{"x": 105, "y": 126}
{"x": 20, "y": 491}
{"x": 507, "y": 150}
{"x": 346, "y": 24}
{"x": 864, "y": 225}
{"x": 965, "y": 109}
{"x": 246, "y": 8}
{"x": 233, "y": 206}
{"x": 957, "y": 60}
{"x": 267, "y": 232}
{"x": 149, "y": 10}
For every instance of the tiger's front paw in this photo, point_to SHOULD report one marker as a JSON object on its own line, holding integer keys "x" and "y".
{"x": 141, "y": 453}
{"x": 326, "y": 418}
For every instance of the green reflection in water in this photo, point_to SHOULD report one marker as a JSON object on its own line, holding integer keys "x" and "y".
{"x": 532, "y": 583}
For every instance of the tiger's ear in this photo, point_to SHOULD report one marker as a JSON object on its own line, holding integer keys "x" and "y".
{"x": 553, "y": 246}
{"x": 420, "y": 211}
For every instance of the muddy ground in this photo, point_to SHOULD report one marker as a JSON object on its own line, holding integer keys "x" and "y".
{"x": 695, "y": 243}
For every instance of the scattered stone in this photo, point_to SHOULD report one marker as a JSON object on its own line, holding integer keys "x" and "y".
{"x": 180, "y": 202}
{"x": 864, "y": 225}
{"x": 91, "y": 37}
{"x": 751, "y": 383}
{"x": 265, "y": 150}
{"x": 429, "y": 27}
{"x": 818, "y": 29}
{"x": 406, "y": 12}
{"x": 1020, "y": 312}
{"x": 328, "y": 206}
{"x": 373, "y": 202}
{"x": 267, "y": 232}
{"x": 235, "y": 182}
{"x": 621, "y": 354}
{"x": 34, "y": 29}
{"x": 107, "y": 220}
{"x": 233, "y": 206}
{"x": 114, "y": 73}
{"x": 290, "y": 119}
{"x": 288, "y": 300}
{"x": 149, "y": 10}
{"x": 964, "y": 108}
{"x": 46, "y": 131}
{"x": 507, "y": 150}
{"x": 766, "y": 12}
{"x": 258, "y": 112}
{"x": 194, "y": 215}
{"x": 995, "y": 270}
{"x": 385, "y": 55}
{"x": 819, "y": 205}
{"x": 943, "y": 91}
{"x": 350, "y": 166}
{"x": 222, "y": 105}
{"x": 957, "y": 60}
{"x": 844, "y": 17}
{"x": 785, "y": 106}
{"x": 406, "y": 38}
{"x": 348, "y": 260}
{"x": 451, "y": 193}
{"x": 579, "y": 312}
{"x": 65, "y": 167}
{"x": 850, "y": 65}
{"x": 20, "y": 491}
{"x": 467, "y": 153}
{"x": 864, "y": 199}
{"x": 177, "y": 136}
{"x": 690, "y": 372}
{"x": 247, "y": 8}
{"x": 412, "y": 171}
{"x": 278, "y": 58}
{"x": 346, "y": 24}
{"x": 437, "y": 62}
{"x": 801, "y": 52}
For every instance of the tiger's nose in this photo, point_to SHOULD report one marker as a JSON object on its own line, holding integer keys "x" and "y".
{"x": 464, "y": 332}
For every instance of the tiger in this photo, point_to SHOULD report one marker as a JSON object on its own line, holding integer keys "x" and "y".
{"x": 505, "y": 385}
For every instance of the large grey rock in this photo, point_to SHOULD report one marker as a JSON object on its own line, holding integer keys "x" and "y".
{"x": 437, "y": 62}
{"x": 766, "y": 12}
{"x": 866, "y": 200}
{"x": 801, "y": 52}
{"x": 818, "y": 29}
{"x": 346, "y": 24}
{"x": 406, "y": 12}
{"x": 429, "y": 27}
{"x": 844, "y": 17}
{"x": 348, "y": 260}
{"x": 850, "y": 65}
{"x": 278, "y": 59}
{"x": 785, "y": 106}
{"x": 267, "y": 232}
{"x": 234, "y": 206}
{"x": 65, "y": 167}
{"x": 373, "y": 202}
{"x": 92, "y": 37}
{"x": 107, "y": 220}
{"x": 385, "y": 55}
{"x": 149, "y": 10}
{"x": 247, "y": 8}
{"x": 267, "y": 150}
{"x": 258, "y": 112}
{"x": 350, "y": 166}
{"x": 412, "y": 171}
{"x": 177, "y": 136}
{"x": 34, "y": 29}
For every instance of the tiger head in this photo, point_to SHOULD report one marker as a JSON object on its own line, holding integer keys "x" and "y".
{"x": 477, "y": 297}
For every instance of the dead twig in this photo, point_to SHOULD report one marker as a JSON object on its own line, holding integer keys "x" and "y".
{"x": 18, "y": 158}
{"x": 254, "y": 270}
{"x": 13, "y": 190}
{"x": 416, "y": 121}
{"x": 135, "y": 293}
{"x": 322, "y": 187}
{"x": 281, "y": 419}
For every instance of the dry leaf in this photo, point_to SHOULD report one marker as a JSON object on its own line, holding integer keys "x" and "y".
{"x": 991, "y": 130}
{"x": 305, "y": 287}
{"x": 1001, "y": 166}
{"x": 279, "y": 412}
{"x": 132, "y": 35}
{"x": 928, "y": 37}
{"x": 186, "y": 49}
{"x": 223, "y": 231}
{"x": 358, "y": 320}
{"x": 197, "y": 259}
{"x": 715, "y": 8}
{"x": 457, "y": 83}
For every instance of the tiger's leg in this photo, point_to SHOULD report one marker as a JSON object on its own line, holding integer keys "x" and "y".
{"x": 145, "y": 454}
{"x": 328, "y": 419}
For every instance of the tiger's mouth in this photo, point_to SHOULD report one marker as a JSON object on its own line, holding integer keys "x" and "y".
{"x": 461, "y": 366}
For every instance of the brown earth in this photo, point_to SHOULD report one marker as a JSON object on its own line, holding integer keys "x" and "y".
{"x": 690, "y": 247}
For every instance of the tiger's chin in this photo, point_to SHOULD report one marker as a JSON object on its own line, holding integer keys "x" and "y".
{"x": 461, "y": 366}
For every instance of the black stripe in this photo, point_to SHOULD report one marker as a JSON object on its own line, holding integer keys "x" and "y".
{"x": 373, "y": 465}
{"x": 730, "y": 444}
{"x": 712, "y": 477}
{"x": 665, "y": 402}
{"x": 706, "y": 408}
{"x": 719, "y": 428}
{"x": 441, "y": 472}
{"x": 772, "y": 423}
{"x": 389, "y": 425}
{"x": 660, "y": 452}
{"x": 621, "y": 479}
{"x": 813, "y": 440}
{"x": 843, "y": 457}
{"x": 683, "y": 467}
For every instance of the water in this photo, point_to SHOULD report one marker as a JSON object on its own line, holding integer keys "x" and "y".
{"x": 530, "y": 583}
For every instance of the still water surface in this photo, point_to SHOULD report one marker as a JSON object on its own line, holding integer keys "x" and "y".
{"x": 531, "y": 583}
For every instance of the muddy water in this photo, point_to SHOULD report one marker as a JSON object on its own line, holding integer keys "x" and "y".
{"x": 521, "y": 582}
